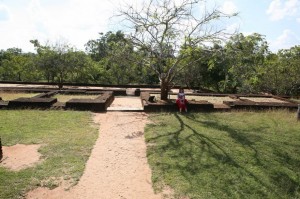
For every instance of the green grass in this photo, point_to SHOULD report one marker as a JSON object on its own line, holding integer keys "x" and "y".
{"x": 67, "y": 138}
{"x": 225, "y": 155}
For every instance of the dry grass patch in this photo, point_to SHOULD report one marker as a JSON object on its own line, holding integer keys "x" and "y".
{"x": 263, "y": 99}
{"x": 65, "y": 98}
{"x": 8, "y": 96}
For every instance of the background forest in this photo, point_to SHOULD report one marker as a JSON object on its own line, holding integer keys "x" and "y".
{"x": 242, "y": 64}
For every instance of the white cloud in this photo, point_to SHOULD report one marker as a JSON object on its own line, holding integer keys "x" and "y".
{"x": 4, "y": 13}
{"x": 233, "y": 27}
{"x": 229, "y": 7}
{"x": 286, "y": 40}
{"x": 76, "y": 21}
{"x": 280, "y": 9}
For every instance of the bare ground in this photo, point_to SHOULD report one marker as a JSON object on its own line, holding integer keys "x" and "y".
{"x": 20, "y": 156}
{"x": 117, "y": 167}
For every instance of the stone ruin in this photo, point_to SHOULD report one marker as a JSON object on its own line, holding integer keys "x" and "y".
{"x": 298, "y": 113}
{"x": 1, "y": 153}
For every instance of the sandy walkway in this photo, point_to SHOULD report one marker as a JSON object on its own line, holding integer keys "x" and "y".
{"x": 118, "y": 165}
{"x": 126, "y": 103}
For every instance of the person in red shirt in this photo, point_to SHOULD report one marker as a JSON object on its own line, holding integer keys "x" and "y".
{"x": 181, "y": 101}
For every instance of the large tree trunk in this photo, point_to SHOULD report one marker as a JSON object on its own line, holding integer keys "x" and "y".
{"x": 60, "y": 82}
{"x": 164, "y": 88}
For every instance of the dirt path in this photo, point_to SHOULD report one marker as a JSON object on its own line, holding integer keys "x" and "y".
{"x": 131, "y": 103}
{"x": 117, "y": 167}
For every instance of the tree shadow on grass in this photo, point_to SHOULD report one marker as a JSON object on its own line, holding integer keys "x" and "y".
{"x": 246, "y": 138}
{"x": 243, "y": 138}
{"x": 194, "y": 147}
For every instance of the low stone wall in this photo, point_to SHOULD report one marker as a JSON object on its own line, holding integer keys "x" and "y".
{"x": 3, "y": 104}
{"x": 32, "y": 102}
{"x": 298, "y": 113}
{"x": 1, "y": 152}
{"x": 44, "y": 100}
{"x": 171, "y": 105}
{"x": 106, "y": 97}
{"x": 119, "y": 92}
{"x": 99, "y": 104}
{"x": 202, "y": 106}
{"x": 72, "y": 92}
{"x": 168, "y": 106}
{"x": 27, "y": 90}
{"x": 283, "y": 99}
{"x": 248, "y": 104}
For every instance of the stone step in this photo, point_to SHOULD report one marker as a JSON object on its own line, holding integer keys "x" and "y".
{"x": 126, "y": 109}
{"x": 58, "y": 105}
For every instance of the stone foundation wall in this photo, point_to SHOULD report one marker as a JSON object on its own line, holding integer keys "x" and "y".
{"x": 1, "y": 152}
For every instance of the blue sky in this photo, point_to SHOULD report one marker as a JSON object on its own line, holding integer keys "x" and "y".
{"x": 278, "y": 20}
{"x": 77, "y": 21}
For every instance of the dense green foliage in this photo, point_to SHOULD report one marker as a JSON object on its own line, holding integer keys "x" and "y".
{"x": 66, "y": 137}
{"x": 225, "y": 155}
{"x": 241, "y": 64}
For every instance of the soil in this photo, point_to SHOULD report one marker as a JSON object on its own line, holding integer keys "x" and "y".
{"x": 117, "y": 167}
{"x": 20, "y": 156}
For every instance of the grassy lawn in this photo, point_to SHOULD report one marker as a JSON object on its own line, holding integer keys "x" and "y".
{"x": 226, "y": 155}
{"x": 67, "y": 138}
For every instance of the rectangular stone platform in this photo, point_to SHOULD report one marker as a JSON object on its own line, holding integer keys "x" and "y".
{"x": 99, "y": 104}
{"x": 32, "y": 102}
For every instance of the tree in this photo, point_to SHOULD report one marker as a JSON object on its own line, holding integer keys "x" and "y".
{"x": 16, "y": 65}
{"x": 290, "y": 61}
{"x": 236, "y": 65}
{"x": 168, "y": 31}
{"x": 116, "y": 59}
{"x": 281, "y": 72}
{"x": 209, "y": 71}
{"x": 98, "y": 49}
{"x": 60, "y": 62}
{"x": 114, "y": 51}
{"x": 246, "y": 57}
